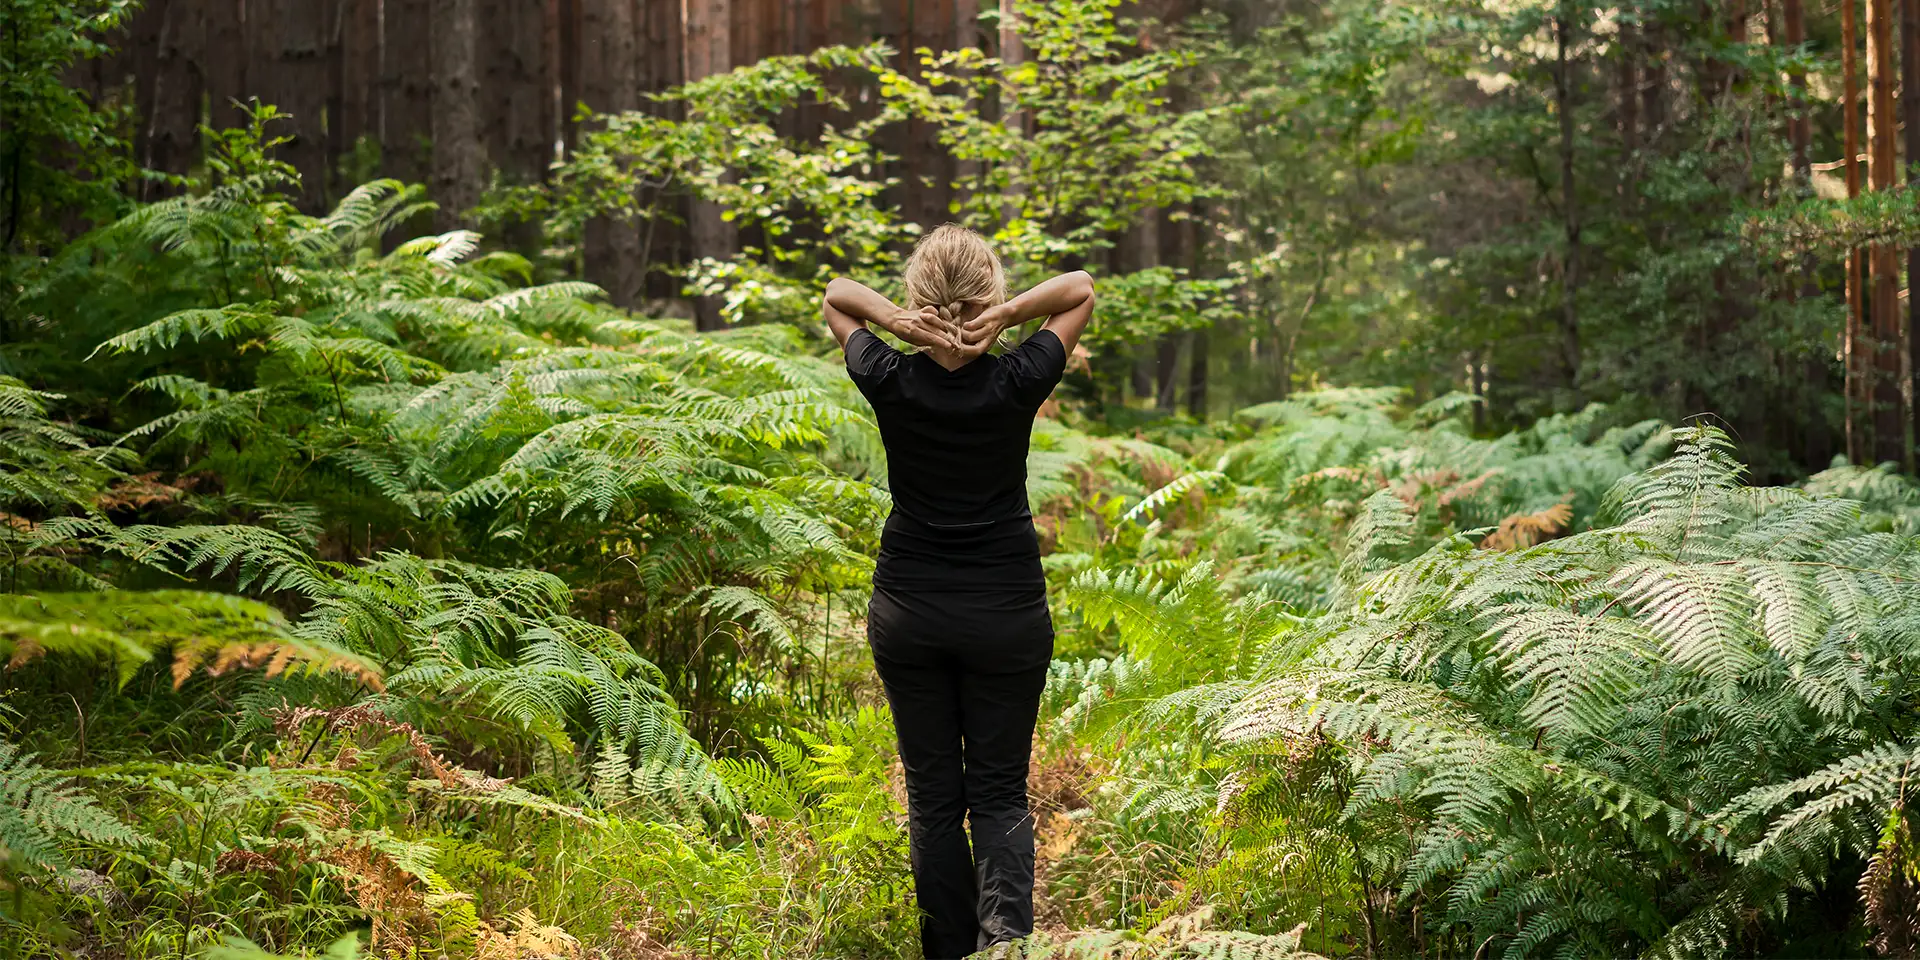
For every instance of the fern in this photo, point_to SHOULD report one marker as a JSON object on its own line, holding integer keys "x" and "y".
{"x": 1550, "y": 728}
{"x": 125, "y": 628}
{"x": 42, "y": 813}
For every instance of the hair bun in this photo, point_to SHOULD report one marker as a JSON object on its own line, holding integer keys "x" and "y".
{"x": 952, "y": 267}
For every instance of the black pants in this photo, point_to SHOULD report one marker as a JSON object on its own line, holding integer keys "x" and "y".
{"x": 963, "y": 673}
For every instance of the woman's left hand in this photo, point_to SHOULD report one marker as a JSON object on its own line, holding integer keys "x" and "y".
{"x": 924, "y": 328}
{"x": 982, "y": 330}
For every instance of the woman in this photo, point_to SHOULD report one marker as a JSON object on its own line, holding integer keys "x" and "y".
{"x": 958, "y": 624}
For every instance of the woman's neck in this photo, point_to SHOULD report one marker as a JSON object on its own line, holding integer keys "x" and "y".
{"x": 949, "y": 359}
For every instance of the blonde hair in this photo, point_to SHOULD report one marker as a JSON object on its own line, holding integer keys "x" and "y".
{"x": 951, "y": 267}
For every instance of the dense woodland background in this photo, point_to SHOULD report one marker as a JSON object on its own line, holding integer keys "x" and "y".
{"x": 1446, "y": 149}
{"x": 434, "y": 521}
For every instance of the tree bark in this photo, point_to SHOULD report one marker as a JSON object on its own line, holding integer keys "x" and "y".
{"x": 928, "y": 171}
{"x": 459, "y": 160}
{"x": 511, "y": 55}
{"x": 1166, "y": 369}
{"x": 1799, "y": 128}
{"x": 1627, "y": 78}
{"x": 1850, "y": 343}
{"x": 406, "y": 88}
{"x": 1012, "y": 52}
{"x": 1653, "y": 79}
{"x": 707, "y": 50}
{"x": 225, "y": 75}
{"x": 1889, "y": 420}
{"x": 609, "y": 83}
{"x": 290, "y": 42}
{"x": 172, "y": 114}
{"x": 1569, "y": 201}
{"x": 966, "y": 33}
{"x": 1198, "y": 370}
{"x": 1910, "y": 108}
{"x": 353, "y": 97}
{"x": 1142, "y": 249}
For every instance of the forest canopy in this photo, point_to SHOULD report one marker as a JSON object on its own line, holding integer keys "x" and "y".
{"x": 436, "y": 521}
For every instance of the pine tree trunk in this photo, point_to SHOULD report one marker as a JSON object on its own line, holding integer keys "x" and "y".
{"x": 290, "y": 47}
{"x": 566, "y": 68}
{"x": 172, "y": 143}
{"x": 708, "y": 49}
{"x": 1569, "y": 203}
{"x": 1910, "y": 108}
{"x": 1012, "y": 53}
{"x": 1653, "y": 80}
{"x": 512, "y": 105}
{"x": 1850, "y": 346}
{"x": 927, "y": 173}
{"x": 1889, "y": 422}
{"x": 1166, "y": 369}
{"x": 406, "y": 88}
{"x": 353, "y": 109}
{"x": 1798, "y": 125}
{"x": 1163, "y": 244}
{"x": 1186, "y": 254}
{"x": 966, "y": 33}
{"x": 1142, "y": 248}
{"x": 514, "y": 100}
{"x": 136, "y": 55}
{"x": 225, "y": 75}
{"x": 459, "y": 162}
{"x": 1200, "y": 344}
{"x": 609, "y": 83}
{"x": 1627, "y": 79}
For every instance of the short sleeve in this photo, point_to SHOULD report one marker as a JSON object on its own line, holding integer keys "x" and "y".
{"x": 869, "y": 361}
{"x": 1036, "y": 366}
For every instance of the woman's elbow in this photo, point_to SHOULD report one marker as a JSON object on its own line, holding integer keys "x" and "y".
{"x": 1083, "y": 282}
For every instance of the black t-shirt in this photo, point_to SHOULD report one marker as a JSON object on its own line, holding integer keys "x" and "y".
{"x": 957, "y": 460}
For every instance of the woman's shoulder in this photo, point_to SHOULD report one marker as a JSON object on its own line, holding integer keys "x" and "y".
{"x": 870, "y": 361}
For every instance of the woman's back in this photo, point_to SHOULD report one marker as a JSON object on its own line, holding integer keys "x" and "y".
{"x": 957, "y": 439}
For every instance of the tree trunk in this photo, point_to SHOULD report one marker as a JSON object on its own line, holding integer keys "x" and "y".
{"x": 1166, "y": 369}
{"x": 459, "y": 161}
{"x": 225, "y": 75}
{"x": 707, "y": 48}
{"x": 511, "y": 55}
{"x": 609, "y": 83}
{"x": 1141, "y": 249}
{"x": 966, "y": 33}
{"x": 928, "y": 172}
{"x": 513, "y": 101}
{"x": 1569, "y": 205}
{"x": 1799, "y": 128}
{"x": 406, "y": 88}
{"x": 1850, "y": 341}
{"x": 290, "y": 37}
{"x": 566, "y": 68}
{"x": 1163, "y": 244}
{"x": 1889, "y": 420}
{"x": 1627, "y": 78}
{"x": 1200, "y": 343}
{"x": 171, "y": 116}
{"x": 1910, "y": 108}
{"x": 353, "y": 94}
{"x": 1012, "y": 53}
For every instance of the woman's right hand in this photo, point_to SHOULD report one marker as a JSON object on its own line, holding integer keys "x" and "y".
{"x": 924, "y": 328}
{"x": 988, "y": 325}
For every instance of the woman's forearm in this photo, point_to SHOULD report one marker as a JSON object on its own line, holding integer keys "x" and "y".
{"x": 1055, "y": 296}
{"x": 861, "y": 302}
{"x": 849, "y": 305}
